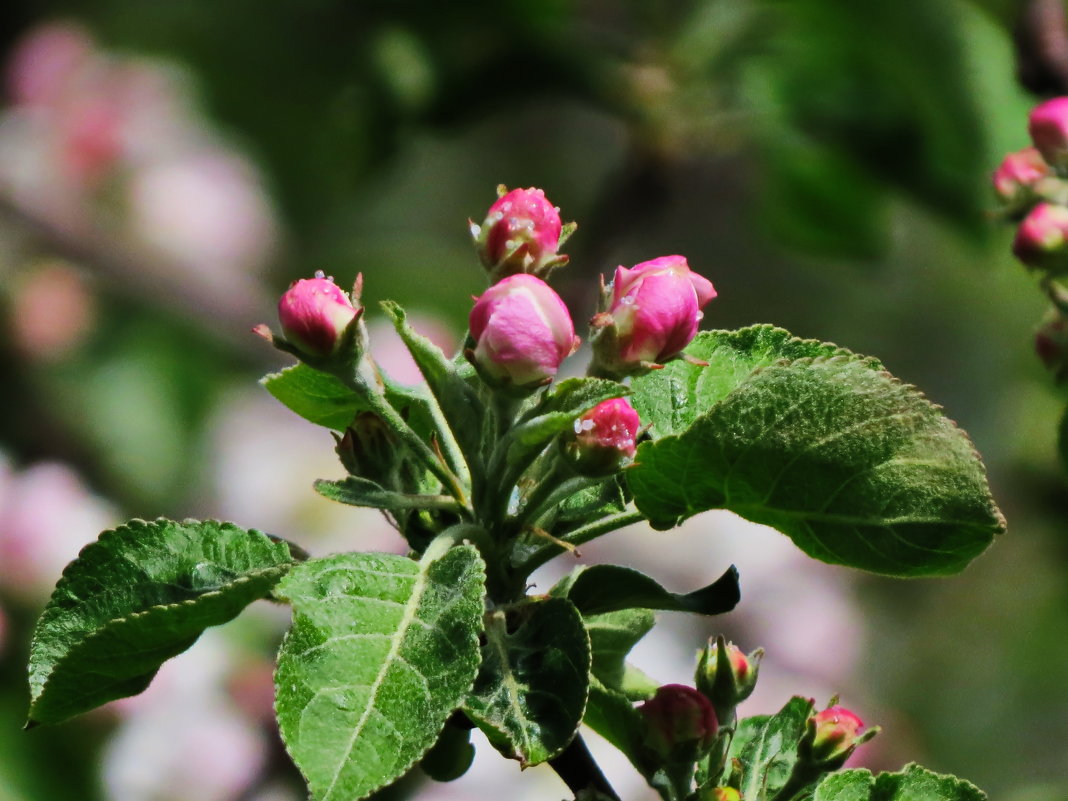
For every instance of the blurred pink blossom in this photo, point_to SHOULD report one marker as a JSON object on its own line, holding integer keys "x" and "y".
{"x": 47, "y": 514}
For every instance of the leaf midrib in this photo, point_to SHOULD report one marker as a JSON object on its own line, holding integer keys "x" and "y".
{"x": 394, "y": 651}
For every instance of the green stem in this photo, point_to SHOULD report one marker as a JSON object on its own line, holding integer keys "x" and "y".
{"x": 576, "y": 766}
{"x": 368, "y": 386}
{"x": 449, "y": 446}
{"x": 578, "y": 537}
{"x": 801, "y": 777}
{"x": 550, "y": 492}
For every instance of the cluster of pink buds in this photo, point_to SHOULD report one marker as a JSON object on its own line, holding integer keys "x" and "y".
{"x": 521, "y": 330}
{"x": 1032, "y": 186}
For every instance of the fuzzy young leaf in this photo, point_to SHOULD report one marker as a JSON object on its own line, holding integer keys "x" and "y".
{"x": 382, "y": 650}
{"x": 532, "y": 687}
{"x": 607, "y": 588}
{"x": 612, "y": 636}
{"x": 613, "y": 716}
{"x": 855, "y": 467}
{"x": 139, "y": 595}
{"x": 318, "y": 397}
{"x": 766, "y": 745}
{"x": 912, "y": 784}
{"x": 671, "y": 399}
{"x": 357, "y": 491}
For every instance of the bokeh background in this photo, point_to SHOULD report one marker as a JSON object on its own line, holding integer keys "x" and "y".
{"x": 166, "y": 169}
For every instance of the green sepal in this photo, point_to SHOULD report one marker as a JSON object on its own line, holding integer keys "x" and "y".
{"x": 382, "y": 650}
{"x": 140, "y": 594}
{"x": 532, "y": 686}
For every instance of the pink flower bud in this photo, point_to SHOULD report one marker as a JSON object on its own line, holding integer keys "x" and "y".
{"x": 653, "y": 314}
{"x": 1051, "y": 343}
{"x": 681, "y": 722}
{"x": 1048, "y": 126}
{"x": 837, "y": 730}
{"x": 603, "y": 437}
{"x": 1016, "y": 176}
{"x": 313, "y": 313}
{"x": 522, "y": 332}
{"x": 521, "y": 234}
{"x": 1042, "y": 238}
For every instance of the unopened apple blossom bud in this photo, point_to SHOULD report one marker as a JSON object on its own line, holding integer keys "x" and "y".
{"x": 314, "y": 313}
{"x": 681, "y": 724}
{"x": 1016, "y": 177}
{"x": 831, "y": 736}
{"x": 727, "y": 676}
{"x": 1042, "y": 238}
{"x": 652, "y": 313}
{"x": 719, "y": 794}
{"x": 522, "y": 332}
{"x": 1048, "y": 126}
{"x": 521, "y": 234}
{"x": 1051, "y": 343}
{"x": 603, "y": 438}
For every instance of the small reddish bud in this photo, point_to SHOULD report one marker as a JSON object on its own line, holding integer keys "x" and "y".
{"x": 720, "y": 794}
{"x": 830, "y": 737}
{"x": 522, "y": 332}
{"x": 1048, "y": 126}
{"x": 314, "y": 312}
{"x": 1051, "y": 343}
{"x": 1042, "y": 237}
{"x": 1017, "y": 175}
{"x": 603, "y": 438}
{"x": 521, "y": 234}
{"x": 653, "y": 312}
{"x": 681, "y": 722}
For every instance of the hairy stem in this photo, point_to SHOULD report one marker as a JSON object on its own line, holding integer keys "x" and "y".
{"x": 577, "y": 537}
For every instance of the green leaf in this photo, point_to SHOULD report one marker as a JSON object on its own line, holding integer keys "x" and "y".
{"x": 766, "y": 745}
{"x": 671, "y": 399}
{"x": 531, "y": 689}
{"x": 357, "y": 491}
{"x": 555, "y": 413}
{"x": 139, "y": 595}
{"x": 317, "y": 397}
{"x": 912, "y": 784}
{"x": 382, "y": 650}
{"x": 612, "y": 636}
{"x": 612, "y": 715}
{"x": 854, "y": 466}
{"x": 606, "y": 588}
{"x": 458, "y": 400}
